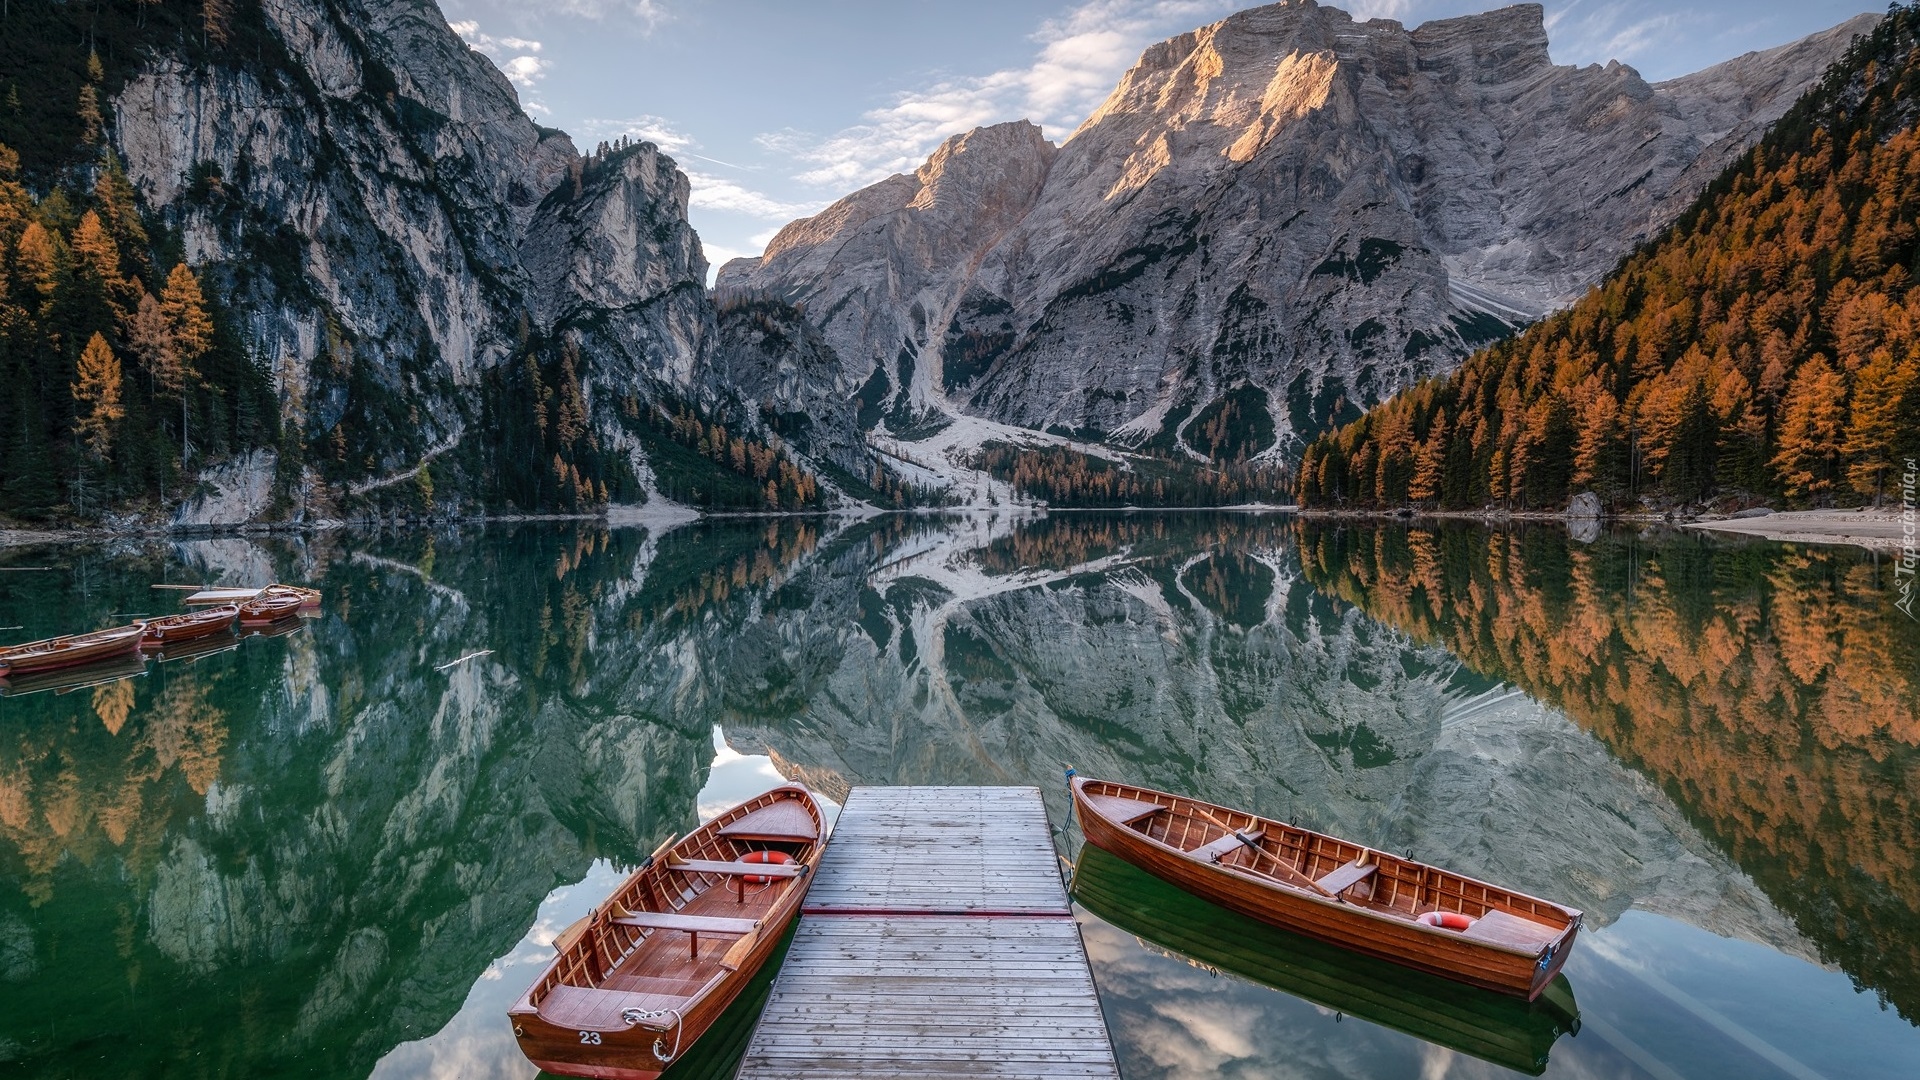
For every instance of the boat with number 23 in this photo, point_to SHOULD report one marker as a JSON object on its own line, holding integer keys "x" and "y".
{"x": 637, "y": 981}
{"x": 1369, "y": 901}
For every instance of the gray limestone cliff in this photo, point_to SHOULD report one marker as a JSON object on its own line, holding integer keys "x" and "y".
{"x": 1288, "y": 201}
{"x": 390, "y": 227}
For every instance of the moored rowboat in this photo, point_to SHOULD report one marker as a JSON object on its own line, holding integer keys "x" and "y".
{"x": 126, "y": 665}
{"x": 1369, "y": 901}
{"x": 1495, "y": 1027}
{"x": 309, "y": 597}
{"x": 270, "y": 607}
{"x": 642, "y": 976}
{"x": 177, "y": 629}
{"x": 71, "y": 651}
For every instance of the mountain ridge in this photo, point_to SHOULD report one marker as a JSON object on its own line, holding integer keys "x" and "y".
{"x": 1246, "y": 212}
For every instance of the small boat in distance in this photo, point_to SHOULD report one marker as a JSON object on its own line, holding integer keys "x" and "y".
{"x": 270, "y": 608}
{"x": 1369, "y": 901}
{"x": 113, "y": 669}
{"x": 178, "y": 629}
{"x": 638, "y": 980}
{"x": 309, "y": 598}
{"x": 73, "y": 650}
{"x": 1494, "y": 1027}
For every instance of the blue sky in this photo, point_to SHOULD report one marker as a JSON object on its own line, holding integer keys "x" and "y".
{"x": 775, "y": 108}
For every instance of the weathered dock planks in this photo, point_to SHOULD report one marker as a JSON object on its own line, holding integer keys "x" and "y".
{"x": 936, "y": 941}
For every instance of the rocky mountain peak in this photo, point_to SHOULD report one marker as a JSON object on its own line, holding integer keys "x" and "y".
{"x": 1288, "y": 206}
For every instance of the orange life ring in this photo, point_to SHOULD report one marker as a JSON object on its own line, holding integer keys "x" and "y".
{"x": 773, "y": 858}
{"x": 1448, "y": 920}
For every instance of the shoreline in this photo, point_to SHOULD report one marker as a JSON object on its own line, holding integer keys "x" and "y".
{"x": 1875, "y": 530}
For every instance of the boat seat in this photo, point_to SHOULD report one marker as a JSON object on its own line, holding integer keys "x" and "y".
{"x": 1225, "y": 846}
{"x": 1346, "y": 877}
{"x": 786, "y": 821}
{"x": 1123, "y": 811}
{"x": 692, "y": 924}
{"x": 1513, "y": 931}
{"x": 737, "y": 869}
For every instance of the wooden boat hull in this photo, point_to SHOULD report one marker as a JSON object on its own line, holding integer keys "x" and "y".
{"x": 127, "y": 665}
{"x": 55, "y": 654}
{"x": 309, "y": 598}
{"x": 1399, "y": 940}
{"x": 626, "y": 1052}
{"x": 179, "y": 629}
{"x": 622, "y": 1033}
{"x": 270, "y": 609}
{"x": 1499, "y": 1028}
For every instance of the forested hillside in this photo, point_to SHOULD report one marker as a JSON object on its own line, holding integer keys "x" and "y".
{"x": 1767, "y": 345}
{"x": 117, "y": 367}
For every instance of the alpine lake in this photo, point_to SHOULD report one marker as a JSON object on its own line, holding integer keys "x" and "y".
{"x": 343, "y": 851}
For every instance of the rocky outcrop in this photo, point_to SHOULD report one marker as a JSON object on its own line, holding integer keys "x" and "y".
{"x": 1288, "y": 200}
{"x": 775, "y": 363}
{"x": 390, "y": 226}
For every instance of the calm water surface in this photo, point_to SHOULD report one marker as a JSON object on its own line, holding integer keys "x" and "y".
{"x": 343, "y": 851}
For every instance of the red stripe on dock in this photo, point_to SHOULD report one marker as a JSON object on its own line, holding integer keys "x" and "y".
{"x": 936, "y": 913}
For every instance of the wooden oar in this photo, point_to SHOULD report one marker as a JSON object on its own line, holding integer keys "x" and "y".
{"x": 1293, "y": 877}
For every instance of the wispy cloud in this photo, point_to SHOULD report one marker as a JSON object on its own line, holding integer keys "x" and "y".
{"x": 1081, "y": 55}
{"x": 1623, "y": 32}
{"x": 727, "y": 196}
{"x": 646, "y": 127}
{"x": 517, "y": 58}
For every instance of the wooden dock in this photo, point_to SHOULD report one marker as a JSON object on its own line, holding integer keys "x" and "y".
{"x": 936, "y": 941}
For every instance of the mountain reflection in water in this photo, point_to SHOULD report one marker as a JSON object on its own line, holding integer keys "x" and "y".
{"x": 293, "y": 856}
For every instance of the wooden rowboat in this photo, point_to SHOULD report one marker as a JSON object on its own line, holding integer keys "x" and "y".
{"x": 1369, "y": 901}
{"x": 645, "y": 974}
{"x": 72, "y": 651}
{"x": 270, "y": 607}
{"x": 309, "y": 598}
{"x": 1509, "y": 1032}
{"x": 178, "y": 629}
{"x": 126, "y": 665}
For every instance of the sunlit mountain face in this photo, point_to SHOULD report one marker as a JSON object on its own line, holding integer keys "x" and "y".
{"x": 335, "y": 850}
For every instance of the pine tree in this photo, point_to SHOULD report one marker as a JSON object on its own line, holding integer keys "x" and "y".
{"x": 1873, "y": 425}
{"x": 186, "y": 309}
{"x": 97, "y": 263}
{"x": 1810, "y": 428}
{"x": 36, "y": 261}
{"x": 150, "y": 337}
{"x": 97, "y": 389}
{"x": 190, "y": 330}
{"x": 90, "y": 120}
{"x": 217, "y": 20}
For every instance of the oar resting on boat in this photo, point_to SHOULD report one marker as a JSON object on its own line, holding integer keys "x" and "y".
{"x": 1372, "y": 902}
